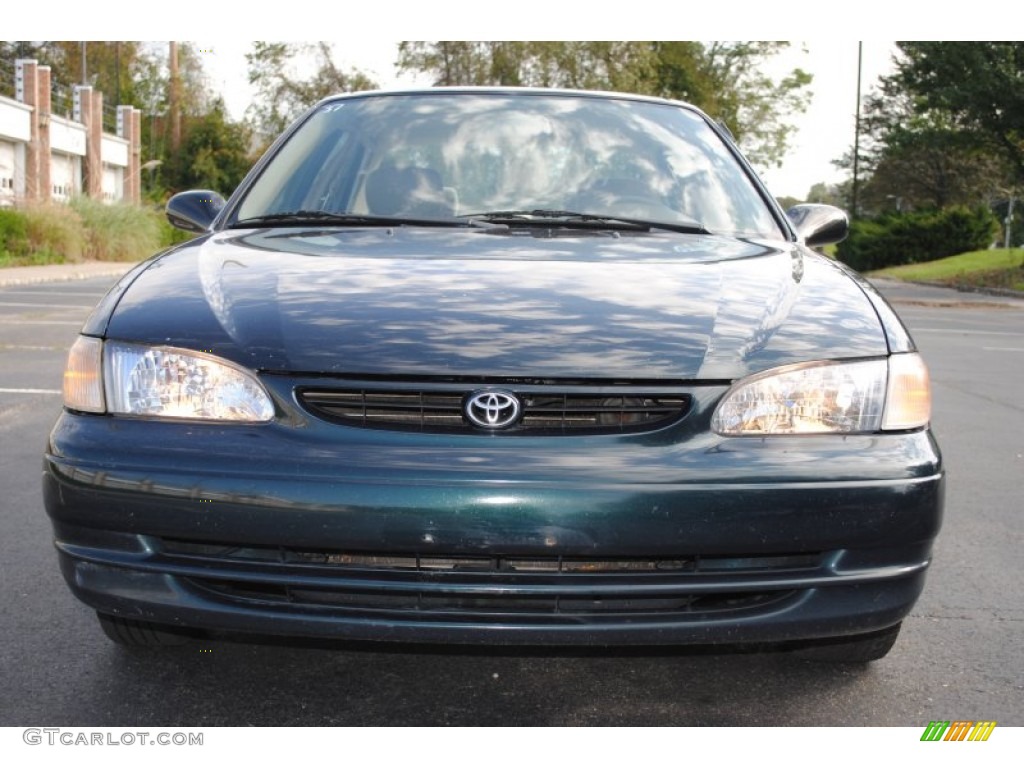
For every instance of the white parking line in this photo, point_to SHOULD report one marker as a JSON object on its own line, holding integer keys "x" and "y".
{"x": 27, "y": 292}
{"x": 43, "y": 306}
{"x": 960, "y": 331}
{"x": 4, "y": 391}
{"x": 1003, "y": 349}
{"x": 30, "y": 348}
{"x": 43, "y": 322}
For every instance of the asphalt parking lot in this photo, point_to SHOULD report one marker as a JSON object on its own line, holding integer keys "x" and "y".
{"x": 961, "y": 654}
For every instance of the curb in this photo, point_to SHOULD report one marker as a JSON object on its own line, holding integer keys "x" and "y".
{"x": 51, "y": 273}
{"x": 1008, "y": 293}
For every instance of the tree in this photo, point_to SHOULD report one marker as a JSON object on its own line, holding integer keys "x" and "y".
{"x": 724, "y": 79}
{"x": 914, "y": 156}
{"x": 830, "y": 194}
{"x": 282, "y": 95}
{"x": 728, "y": 81}
{"x": 215, "y": 151}
{"x": 978, "y": 85}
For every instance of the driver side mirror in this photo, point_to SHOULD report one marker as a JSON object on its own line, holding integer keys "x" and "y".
{"x": 194, "y": 210}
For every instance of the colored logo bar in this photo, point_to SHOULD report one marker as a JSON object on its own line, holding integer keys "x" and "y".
{"x": 958, "y": 730}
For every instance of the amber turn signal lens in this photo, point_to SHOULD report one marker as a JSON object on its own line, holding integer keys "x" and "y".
{"x": 83, "y": 382}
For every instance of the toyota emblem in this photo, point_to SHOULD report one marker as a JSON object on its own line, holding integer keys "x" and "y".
{"x": 492, "y": 409}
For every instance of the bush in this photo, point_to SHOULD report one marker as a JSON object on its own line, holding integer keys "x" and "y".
{"x": 54, "y": 233}
{"x": 910, "y": 238}
{"x": 118, "y": 232}
{"x": 13, "y": 235}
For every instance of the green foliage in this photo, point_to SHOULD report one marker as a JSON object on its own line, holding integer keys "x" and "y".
{"x": 915, "y": 157}
{"x": 830, "y": 194}
{"x": 991, "y": 268}
{"x": 978, "y": 85}
{"x": 54, "y": 232}
{"x": 118, "y": 232}
{"x": 282, "y": 94}
{"x": 910, "y": 238}
{"x": 13, "y": 235}
{"x": 946, "y": 128}
{"x": 215, "y": 151}
{"x": 725, "y": 79}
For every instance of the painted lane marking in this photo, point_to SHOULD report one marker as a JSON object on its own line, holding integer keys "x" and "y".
{"x": 956, "y": 331}
{"x": 77, "y": 323}
{"x": 43, "y": 306}
{"x": 4, "y": 391}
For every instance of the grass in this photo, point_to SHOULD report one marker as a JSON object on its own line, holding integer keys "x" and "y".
{"x": 995, "y": 268}
{"x": 51, "y": 233}
{"x": 117, "y": 232}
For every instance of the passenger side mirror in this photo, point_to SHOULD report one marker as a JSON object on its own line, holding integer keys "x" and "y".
{"x": 819, "y": 224}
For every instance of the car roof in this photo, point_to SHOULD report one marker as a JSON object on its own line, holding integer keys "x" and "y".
{"x": 509, "y": 90}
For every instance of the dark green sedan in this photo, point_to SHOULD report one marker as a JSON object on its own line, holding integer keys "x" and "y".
{"x": 498, "y": 366}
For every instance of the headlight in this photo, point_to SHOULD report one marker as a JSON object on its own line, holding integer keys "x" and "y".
{"x": 180, "y": 384}
{"x": 866, "y": 396}
{"x": 161, "y": 382}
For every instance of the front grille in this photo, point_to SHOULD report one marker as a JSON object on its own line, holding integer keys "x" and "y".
{"x": 541, "y": 590}
{"x": 545, "y": 410}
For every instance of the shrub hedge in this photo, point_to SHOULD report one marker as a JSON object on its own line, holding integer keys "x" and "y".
{"x": 909, "y": 238}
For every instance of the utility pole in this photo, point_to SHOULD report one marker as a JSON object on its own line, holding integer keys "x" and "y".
{"x": 856, "y": 131}
{"x": 175, "y": 98}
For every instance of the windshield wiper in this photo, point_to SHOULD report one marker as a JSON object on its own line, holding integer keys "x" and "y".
{"x": 302, "y": 218}
{"x": 544, "y": 216}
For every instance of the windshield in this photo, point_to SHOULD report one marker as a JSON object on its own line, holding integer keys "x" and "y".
{"x": 444, "y": 155}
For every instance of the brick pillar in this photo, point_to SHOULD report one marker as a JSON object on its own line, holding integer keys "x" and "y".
{"x": 129, "y": 122}
{"x": 94, "y": 148}
{"x": 27, "y": 84}
{"x": 45, "y": 156}
{"x": 136, "y": 156}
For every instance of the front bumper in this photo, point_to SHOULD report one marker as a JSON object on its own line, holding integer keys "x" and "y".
{"x": 624, "y": 540}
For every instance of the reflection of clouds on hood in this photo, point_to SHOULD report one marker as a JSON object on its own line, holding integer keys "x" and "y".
{"x": 469, "y": 303}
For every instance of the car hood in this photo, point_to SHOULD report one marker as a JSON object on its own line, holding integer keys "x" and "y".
{"x": 501, "y": 303}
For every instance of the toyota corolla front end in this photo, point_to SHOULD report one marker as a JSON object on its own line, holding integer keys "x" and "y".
{"x": 498, "y": 367}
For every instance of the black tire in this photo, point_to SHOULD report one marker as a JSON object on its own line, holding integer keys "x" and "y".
{"x": 140, "y": 634}
{"x": 855, "y": 649}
